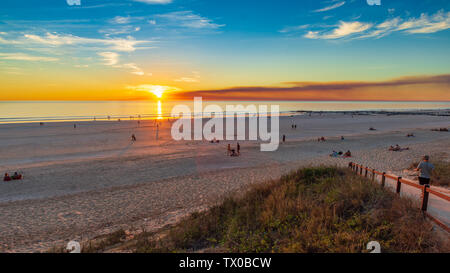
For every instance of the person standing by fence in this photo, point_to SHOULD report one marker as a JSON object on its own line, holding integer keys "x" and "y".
{"x": 425, "y": 169}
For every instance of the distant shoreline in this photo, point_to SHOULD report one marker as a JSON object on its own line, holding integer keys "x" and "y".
{"x": 115, "y": 118}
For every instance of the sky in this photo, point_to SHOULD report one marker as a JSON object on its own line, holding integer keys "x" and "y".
{"x": 225, "y": 50}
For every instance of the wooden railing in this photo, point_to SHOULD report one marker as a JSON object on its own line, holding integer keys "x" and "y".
{"x": 425, "y": 189}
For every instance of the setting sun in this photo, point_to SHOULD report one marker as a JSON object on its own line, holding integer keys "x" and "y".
{"x": 157, "y": 91}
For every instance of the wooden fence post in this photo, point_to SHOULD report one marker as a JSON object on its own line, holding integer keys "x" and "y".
{"x": 360, "y": 170}
{"x": 425, "y": 195}
{"x": 383, "y": 179}
{"x": 399, "y": 184}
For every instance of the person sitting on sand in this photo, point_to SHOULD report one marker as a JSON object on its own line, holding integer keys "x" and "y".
{"x": 7, "y": 177}
{"x": 16, "y": 176}
{"x": 348, "y": 154}
{"x": 340, "y": 153}
{"x": 391, "y": 148}
{"x": 322, "y": 139}
{"x": 342, "y": 138}
{"x": 334, "y": 154}
{"x": 425, "y": 169}
{"x": 233, "y": 153}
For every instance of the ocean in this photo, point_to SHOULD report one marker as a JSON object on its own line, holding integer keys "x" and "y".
{"x": 47, "y": 111}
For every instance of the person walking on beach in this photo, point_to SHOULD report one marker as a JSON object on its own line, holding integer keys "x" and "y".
{"x": 238, "y": 148}
{"x": 133, "y": 137}
{"x": 284, "y": 138}
{"x": 229, "y": 149}
{"x": 425, "y": 169}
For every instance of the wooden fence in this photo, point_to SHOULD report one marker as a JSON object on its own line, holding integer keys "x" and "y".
{"x": 425, "y": 189}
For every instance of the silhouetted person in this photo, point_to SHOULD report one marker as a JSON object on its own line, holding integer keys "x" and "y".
{"x": 238, "y": 148}
{"x": 133, "y": 137}
{"x": 284, "y": 138}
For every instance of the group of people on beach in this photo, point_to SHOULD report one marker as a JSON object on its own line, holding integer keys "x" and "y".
{"x": 15, "y": 176}
{"x": 440, "y": 130}
{"x": 234, "y": 152}
{"x": 397, "y": 148}
{"x": 341, "y": 154}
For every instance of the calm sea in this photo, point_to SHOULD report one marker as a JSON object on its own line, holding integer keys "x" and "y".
{"x": 39, "y": 111}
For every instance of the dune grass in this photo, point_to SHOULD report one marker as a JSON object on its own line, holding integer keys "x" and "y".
{"x": 322, "y": 209}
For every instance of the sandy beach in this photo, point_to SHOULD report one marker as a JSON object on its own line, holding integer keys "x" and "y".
{"x": 90, "y": 180}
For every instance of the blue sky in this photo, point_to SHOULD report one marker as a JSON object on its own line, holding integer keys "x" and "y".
{"x": 206, "y": 44}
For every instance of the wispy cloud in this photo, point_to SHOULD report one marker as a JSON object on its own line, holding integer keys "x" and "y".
{"x": 188, "y": 19}
{"x": 110, "y": 58}
{"x": 331, "y": 7}
{"x": 120, "y": 20}
{"x": 344, "y": 29}
{"x": 26, "y": 57}
{"x": 191, "y": 79}
{"x": 134, "y": 69}
{"x": 119, "y": 44}
{"x": 360, "y": 30}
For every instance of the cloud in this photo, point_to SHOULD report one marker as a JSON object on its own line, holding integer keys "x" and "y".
{"x": 334, "y": 6}
{"x": 110, "y": 58}
{"x": 186, "y": 79}
{"x": 118, "y": 44}
{"x": 427, "y": 24}
{"x": 424, "y": 24}
{"x": 344, "y": 29}
{"x": 334, "y": 90}
{"x": 134, "y": 69}
{"x": 293, "y": 28}
{"x": 192, "y": 79}
{"x": 154, "y": 1}
{"x": 26, "y": 57}
{"x": 188, "y": 19}
{"x": 120, "y": 20}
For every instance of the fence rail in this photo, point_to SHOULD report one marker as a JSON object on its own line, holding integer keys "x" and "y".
{"x": 425, "y": 189}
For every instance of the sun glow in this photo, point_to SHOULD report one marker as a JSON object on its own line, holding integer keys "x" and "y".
{"x": 158, "y": 91}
